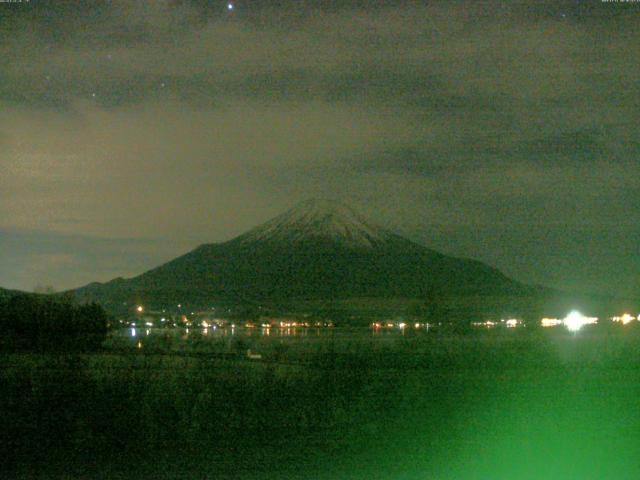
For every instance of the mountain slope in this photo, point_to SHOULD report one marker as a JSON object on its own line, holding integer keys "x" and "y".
{"x": 318, "y": 249}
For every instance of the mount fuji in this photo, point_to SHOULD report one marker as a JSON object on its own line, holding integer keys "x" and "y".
{"x": 319, "y": 249}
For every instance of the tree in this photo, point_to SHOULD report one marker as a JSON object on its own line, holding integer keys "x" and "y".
{"x": 32, "y": 322}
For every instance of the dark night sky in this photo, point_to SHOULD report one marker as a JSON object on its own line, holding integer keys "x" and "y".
{"x": 505, "y": 131}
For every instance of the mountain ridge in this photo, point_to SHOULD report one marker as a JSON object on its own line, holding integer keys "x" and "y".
{"x": 317, "y": 249}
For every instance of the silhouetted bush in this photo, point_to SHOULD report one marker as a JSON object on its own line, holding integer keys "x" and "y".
{"x": 37, "y": 323}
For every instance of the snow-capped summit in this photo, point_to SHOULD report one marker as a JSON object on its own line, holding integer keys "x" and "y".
{"x": 319, "y": 219}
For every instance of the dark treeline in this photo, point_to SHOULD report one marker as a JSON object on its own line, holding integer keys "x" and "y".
{"x": 44, "y": 323}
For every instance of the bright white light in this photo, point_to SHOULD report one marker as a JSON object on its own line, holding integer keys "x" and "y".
{"x": 149, "y": 324}
{"x": 402, "y": 325}
{"x": 575, "y": 321}
{"x": 133, "y": 332}
{"x": 229, "y": 6}
{"x": 140, "y": 308}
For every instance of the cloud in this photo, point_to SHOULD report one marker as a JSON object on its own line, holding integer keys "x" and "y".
{"x": 174, "y": 120}
{"x": 30, "y": 258}
{"x": 163, "y": 169}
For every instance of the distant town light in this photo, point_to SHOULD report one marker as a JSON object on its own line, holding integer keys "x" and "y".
{"x": 512, "y": 322}
{"x": 550, "y": 322}
{"x": 624, "y": 319}
{"x": 487, "y": 324}
{"x": 140, "y": 309}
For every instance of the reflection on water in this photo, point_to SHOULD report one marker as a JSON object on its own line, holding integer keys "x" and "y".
{"x": 177, "y": 336}
{"x": 233, "y": 330}
{"x": 225, "y": 339}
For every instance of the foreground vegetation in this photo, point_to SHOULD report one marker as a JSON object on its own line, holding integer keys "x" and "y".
{"x": 481, "y": 405}
{"x": 47, "y": 323}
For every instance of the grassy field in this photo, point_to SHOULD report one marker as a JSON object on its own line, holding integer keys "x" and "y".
{"x": 495, "y": 404}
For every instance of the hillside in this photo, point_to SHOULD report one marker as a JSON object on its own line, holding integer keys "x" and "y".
{"x": 4, "y": 293}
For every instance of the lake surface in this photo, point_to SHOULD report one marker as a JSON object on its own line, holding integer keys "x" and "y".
{"x": 217, "y": 337}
